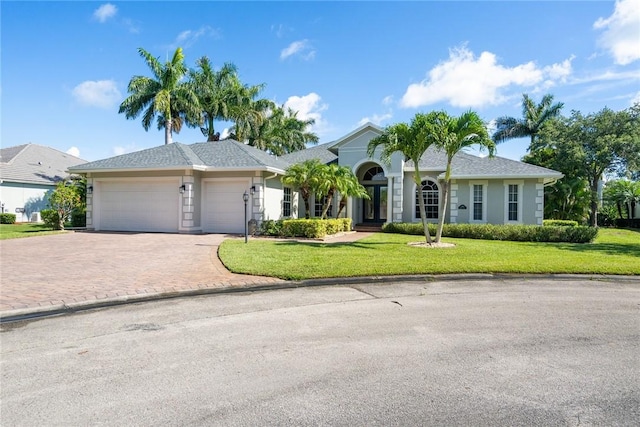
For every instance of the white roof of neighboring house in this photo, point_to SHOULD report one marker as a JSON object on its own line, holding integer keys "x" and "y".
{"x": 35, "y": 164}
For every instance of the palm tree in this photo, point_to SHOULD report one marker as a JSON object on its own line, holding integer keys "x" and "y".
{"x": 164, "y": 95}
{"x": 245, "y": 110}
{"x": 334, "y": 178}
{"x": 213, "y": 91}
{"x": 453, "y": 135}
{"x": 623, "y": 193}
{"x": 281, "y": 132}
{"x": 533, "y": 119}
{"x": 412, "y": 140}
{"x": 303, "y": 177}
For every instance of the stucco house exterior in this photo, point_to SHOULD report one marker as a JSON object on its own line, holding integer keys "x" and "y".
{"x": 199, "y": 187}
{"x": 27, "y": 173}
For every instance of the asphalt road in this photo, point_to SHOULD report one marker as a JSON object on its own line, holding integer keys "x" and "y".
{"x": 515, "y": 352}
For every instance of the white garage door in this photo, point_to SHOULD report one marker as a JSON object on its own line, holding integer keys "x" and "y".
{"x": 138, "y": 206}
{"x": 223, "y": 210}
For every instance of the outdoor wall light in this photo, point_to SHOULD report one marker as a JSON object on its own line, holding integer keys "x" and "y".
{"x": 90, "y": 189}
{"x": 182, "y": 188}
{"x": 253, "y": 189}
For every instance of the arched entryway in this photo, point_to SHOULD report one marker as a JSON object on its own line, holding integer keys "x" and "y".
{"x": 374, "y": 210}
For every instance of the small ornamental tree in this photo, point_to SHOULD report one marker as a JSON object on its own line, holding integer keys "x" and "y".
{"x": 64, "y": 199}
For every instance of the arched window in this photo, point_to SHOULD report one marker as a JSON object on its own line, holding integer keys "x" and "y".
{"x": 430, "y": 195}
{"x": 375, "y": 173}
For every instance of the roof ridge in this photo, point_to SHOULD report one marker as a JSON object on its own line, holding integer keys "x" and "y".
{"x": 24, "y": 147}
{"x": 244, "y": 148}
{"x": 182, "y": 148}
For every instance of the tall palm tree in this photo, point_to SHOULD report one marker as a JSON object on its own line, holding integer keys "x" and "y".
{"x": 303, "y": 177}
{"x": 335, "y": 178}
{"x": 213, "y": 91}
{"x": 164, "y": 95}
{"x": 245, "y": 110}
{"x": 533, "y": 119}
{"x": 454, "y": 134}
{"x": 412, "y": 140}
{"x": 281, "y": 132}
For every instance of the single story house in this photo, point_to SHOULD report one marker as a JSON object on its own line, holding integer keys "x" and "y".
{"x": 27, "y": 173}
{"x": 199, "y": 187}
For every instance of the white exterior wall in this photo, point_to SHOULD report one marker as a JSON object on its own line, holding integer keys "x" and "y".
{"x": 30, "y": 197}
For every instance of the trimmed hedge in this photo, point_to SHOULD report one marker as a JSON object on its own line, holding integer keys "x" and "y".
{"x": 515, "y": 233}
{"x": 311, "y": 228}
{"x": 7, "y": 218}
{"x": 559, "y": 223}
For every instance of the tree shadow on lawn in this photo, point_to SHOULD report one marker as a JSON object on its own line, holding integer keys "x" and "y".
{"x": 627, "y": 249}
{"x": 326, "y": 245}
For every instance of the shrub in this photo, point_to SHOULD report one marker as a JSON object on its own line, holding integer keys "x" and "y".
{"x": 7, "y": 218}
{"x": 78, "y": 218}
{"x": 516, "y": 233}
{"x": 559, "y": 223}
{"x": 314, "y": 228}
{"x": 50, "y": 218}
{"x": 628, "y": 223}
{"x": 270, "y": 227}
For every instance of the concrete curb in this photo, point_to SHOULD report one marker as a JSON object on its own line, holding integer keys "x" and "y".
{"x": 33, "y": 313}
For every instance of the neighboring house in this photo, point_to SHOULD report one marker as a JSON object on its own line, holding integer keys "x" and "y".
{"x": 199, "y": 187}
{"x": 27, "y": 173}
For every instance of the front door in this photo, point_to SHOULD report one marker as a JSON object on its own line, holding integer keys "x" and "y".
{"x": 375, "y": 209}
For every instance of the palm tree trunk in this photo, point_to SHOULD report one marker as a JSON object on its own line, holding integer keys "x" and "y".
{"x": 327, "y": 203}
{"x": 423, "y": 212}
{"x": 443, "y": 211}
{"x": 167, "y": 132}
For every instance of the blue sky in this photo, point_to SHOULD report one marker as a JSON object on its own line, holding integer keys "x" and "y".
{"x": 66, "y": 65}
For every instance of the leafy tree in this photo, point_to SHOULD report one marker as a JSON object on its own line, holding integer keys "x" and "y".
{"x": 334, "y": 178}
{"x": 607, "y": 142}
{"x": 164, "y": 95}
{"x": 281, "y": 132}
{"x": 569, "y": 197}
{"x": 64, "y": 199}
{"x": 303, "y": 177}
{"x": 412, "y": 140}
{"x": 533, "y": 120}
{"x": 454, "y": 134}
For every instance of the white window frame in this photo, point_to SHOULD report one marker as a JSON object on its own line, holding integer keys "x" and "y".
{"x": 315, "y": 206}
{"x": 520, "y": 184}
{"x": 285, "y": 201}
{"x": 415, "y": 204}
{"x": 471, "y": 208}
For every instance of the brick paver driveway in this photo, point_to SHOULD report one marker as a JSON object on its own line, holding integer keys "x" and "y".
{"x": 69, "y": 268}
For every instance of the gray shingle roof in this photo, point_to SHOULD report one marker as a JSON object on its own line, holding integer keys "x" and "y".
{"x": 320, "y": 152}
{"x": 35, "y": 164}
{"x": 466, "y": 165}
{"x": 225, "y": 154}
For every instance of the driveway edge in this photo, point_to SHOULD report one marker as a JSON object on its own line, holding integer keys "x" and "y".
{"x": 33, "y": 313}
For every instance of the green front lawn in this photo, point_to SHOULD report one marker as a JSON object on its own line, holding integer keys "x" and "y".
{"x": 13, "y": 231}
{"x": 615, "y": 251}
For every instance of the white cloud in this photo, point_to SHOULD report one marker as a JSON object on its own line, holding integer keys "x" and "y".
{"x": 280, "y": 30}
{"x": 376, "y": 119}
{"x": 189, "y": 37}
{"x": 225, "y": 133}
{"x": 301, "y": 48}
{"x": 635, "y": 99}
{"x": 74, "y": 151}
{"x": 104, "y": 12}
{"x": 466, "y": 81}
{"x": 387, "y": 100}
{"x": 101, "y": 93}
{"x": 119, "y": 150}
{"x": 621, "y": 32}
{"x": 309, "y": 107}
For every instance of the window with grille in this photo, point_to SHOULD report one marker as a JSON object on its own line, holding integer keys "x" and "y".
{"x": 286, "y": 203}
{"x": 513, "y": 202}
{"x": 477, "y": 202}
{"x": 430, "y": 195}
{"x": 319, "y": 205}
